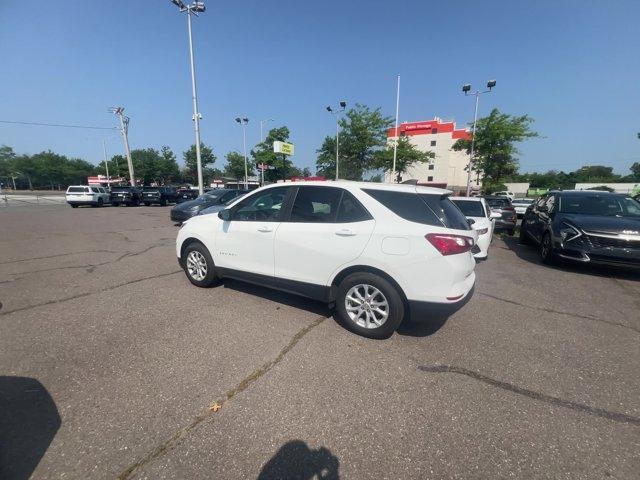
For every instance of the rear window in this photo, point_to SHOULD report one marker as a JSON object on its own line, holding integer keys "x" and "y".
{"x": 75, "y": 190}
{"x": 499, "y": 202}
{"x": 447, "y": 212}
{"x": 470, "y": 208}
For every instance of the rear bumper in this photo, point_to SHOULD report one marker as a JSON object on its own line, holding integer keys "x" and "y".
{"x": 81, "y": 202}
{"x": 419, "y": 310}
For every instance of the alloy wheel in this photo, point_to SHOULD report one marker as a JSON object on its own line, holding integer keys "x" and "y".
{"x": 196, "y": 265}
{"x": 366, "y": 306}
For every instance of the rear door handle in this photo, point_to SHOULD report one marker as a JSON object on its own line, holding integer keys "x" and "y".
{"x": 265, "y": 229}
{"x": 346, "y": 232}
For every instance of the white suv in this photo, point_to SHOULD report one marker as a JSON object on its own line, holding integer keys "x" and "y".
{"x": 376, "y": 251}
{"x": 87, "y": 195}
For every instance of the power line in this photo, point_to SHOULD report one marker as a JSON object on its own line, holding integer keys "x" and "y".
{"x": 59, "y": 125}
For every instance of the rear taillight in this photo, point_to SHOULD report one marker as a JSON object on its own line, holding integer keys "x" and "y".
{"x": 508, "y": 209}
{"x": 448, "y": 244}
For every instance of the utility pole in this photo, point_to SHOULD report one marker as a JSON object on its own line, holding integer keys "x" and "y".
{"x": 124, "y": 129}
{"x": 243, "y": 122}
{"x": 343, "y": 106}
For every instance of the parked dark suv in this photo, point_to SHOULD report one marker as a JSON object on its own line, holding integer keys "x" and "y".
{"x": 186, "y": 194}
{"x": 508, "y": 217}
{"x": 126, "y": 195}
{"x": 585, "y": 226}
{"x": 161, "y": 195}
{"x": 219, "y": 196}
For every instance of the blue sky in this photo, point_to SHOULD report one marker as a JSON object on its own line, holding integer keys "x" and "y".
{"x": 572, "y": 65}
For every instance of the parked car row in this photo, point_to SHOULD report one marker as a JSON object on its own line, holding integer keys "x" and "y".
{"x": 213, "y": 201}
{"x": 96, "y": 196}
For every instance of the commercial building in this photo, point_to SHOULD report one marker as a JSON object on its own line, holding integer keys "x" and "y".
{"x": 447, "y": 169}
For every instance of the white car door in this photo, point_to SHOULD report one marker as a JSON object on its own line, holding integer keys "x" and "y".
{"x": 245, "y": 242}
{"x": 328, "y": 227}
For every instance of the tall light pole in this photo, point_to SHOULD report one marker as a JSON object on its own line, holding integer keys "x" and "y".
{"x": 343, "y": 106}
{"x": 124, "y": 129}
{"x": 262, "y": 122}
{"x": 466, "y": 88}
{"x": 395, "y": 144}
{"x": 194, "y": 9}
{"x": 243, "y": 122}
{"x": 106, "y": 164}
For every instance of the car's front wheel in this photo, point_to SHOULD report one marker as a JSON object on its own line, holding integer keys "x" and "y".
{"x": 198, "y": 265}
{"x": 546, "y": 250}
{"x": 369, "y": 305}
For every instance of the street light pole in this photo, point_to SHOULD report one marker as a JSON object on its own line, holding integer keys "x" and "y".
{"x": 466, "y": 88}
{"x": 194, "y": 9}
{"x": 243, "y": 122}
{"x": 395, "y": 143}
{"x": 106, "y": 164}
{"x": 261, "y": 123}
{"x": 343, "y": 106}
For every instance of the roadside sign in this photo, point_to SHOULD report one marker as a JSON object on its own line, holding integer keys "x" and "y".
{"x": 283, "y": 147}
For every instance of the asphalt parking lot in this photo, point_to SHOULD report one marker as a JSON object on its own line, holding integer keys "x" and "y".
{"x": 113, "y": 366}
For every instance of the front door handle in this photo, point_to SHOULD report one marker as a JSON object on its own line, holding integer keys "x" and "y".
{"x": 346, "y": 232}
{"x": 265, "y": 229}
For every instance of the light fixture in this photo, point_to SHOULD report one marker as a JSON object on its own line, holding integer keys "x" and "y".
{"x": 491, "y": 84}
{"x": 466, "y": 88}
{"x": 343, "y": 104}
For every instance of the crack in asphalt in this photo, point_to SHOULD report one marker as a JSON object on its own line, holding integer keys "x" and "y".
{"x": 558, "y": 402}
{"x": 560, "y": 312}
{"x": 56, "y": 256}
{"x": 92, "y": 266}
{"x": 228, "y": 396}
{"x": 87, "y": 294}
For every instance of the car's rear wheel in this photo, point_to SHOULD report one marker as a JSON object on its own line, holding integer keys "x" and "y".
{"x": 546, "y": 250}
{"x": 73, "y": 205}
{"x": 163, "y": 203}
{"x": 369, "y": 305}
{"x": 146, "y": 204}
{"x": 100, "y": 202}
{"x": 198, "y": 265}
{"x": 115, "y": 204}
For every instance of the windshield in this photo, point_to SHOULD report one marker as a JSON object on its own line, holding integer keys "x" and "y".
{"x": 470, "y": 208}
{"x": 601, "y": 205}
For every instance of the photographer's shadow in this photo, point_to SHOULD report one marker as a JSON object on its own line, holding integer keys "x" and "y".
{"x": 29, "y": 420}
{"x": 295, "y": 460}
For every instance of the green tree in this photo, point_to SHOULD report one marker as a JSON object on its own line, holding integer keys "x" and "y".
{"x": 407, "y": 155}
{"x": 635, "y": 170}
{"x": 306, "y": 172}
{"x": 495, "y": 150}
{"x": 207, "y": 158}
{"x": 235, "y": 166}
{"x": 263, "y": 153}
{"x": 363, "y": 132}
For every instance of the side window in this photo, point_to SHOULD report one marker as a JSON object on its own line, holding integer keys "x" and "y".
{"x": 406, "y": 205}
{"x": 487, "y": 210}
{"x": 316, "y": 205}
{"x": 351, "y": 210}
{"x": 87, "y": 190}
{"x": 265, "y": 206}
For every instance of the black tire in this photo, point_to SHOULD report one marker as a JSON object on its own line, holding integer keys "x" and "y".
{"x": 210, "y": 279}
{"x": 163, "y": 203}
{"x": 511, "y": 232}
{"x": 115, "y": 204}
{"x": 73, "y": 205}
{"x": 146, "y": 204}
{"x": 546, "y": 250}
{"x": 392, "y": 296}
{"x": 523, "y": 239}
{"x": 100, "y": 203}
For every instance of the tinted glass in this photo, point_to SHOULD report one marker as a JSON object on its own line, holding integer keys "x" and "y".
{"x": 95, "y": 190}
{"x": 470, "y": 208}
{"x": 316, "y": 204}
{"x": 262, "y": 206}
{"x": 75, "y": 190}
{"x": 406, "y": 205}
{"x": 450, "y": 215}
{"x": 351, "y": 210}
{"x": 606, "y": 205}
{"x": 498, "y": 202}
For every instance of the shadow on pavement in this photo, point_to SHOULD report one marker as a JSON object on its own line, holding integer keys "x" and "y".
{"x": 284, "y": 298}
{"x": 529, "y": 253}
{"x": 29, "y": 420}
{"x": 295, "y": 460}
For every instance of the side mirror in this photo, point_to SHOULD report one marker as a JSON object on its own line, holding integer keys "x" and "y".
{"x": 470, "y": 221}
{"x": 224, "y": 215}
{"x": 495, "y": 215}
